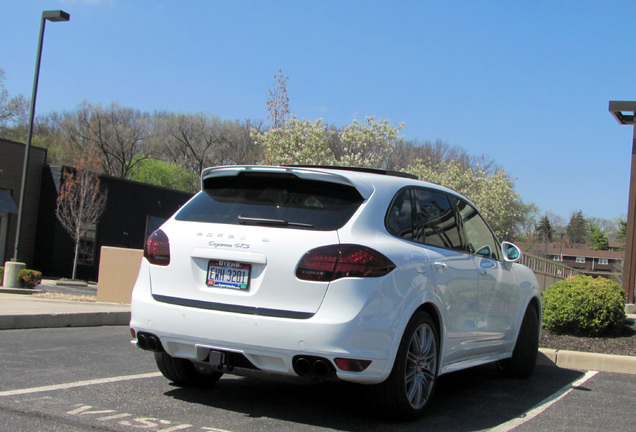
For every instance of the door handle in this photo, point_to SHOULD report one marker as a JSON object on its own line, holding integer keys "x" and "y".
{"x": 440, "y": 265}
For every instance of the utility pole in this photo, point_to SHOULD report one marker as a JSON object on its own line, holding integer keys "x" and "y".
{"x": 618, "y": 110}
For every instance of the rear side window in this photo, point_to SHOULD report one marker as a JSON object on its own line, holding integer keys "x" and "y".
{"x": 276, "y": 200}
{"x": 435, "y": 222}
{"x": 399, "y": 220}
{"x": 424, "y": 216}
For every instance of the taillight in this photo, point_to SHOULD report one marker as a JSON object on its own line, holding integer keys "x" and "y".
{"x": 157, "y": 249}
{"x": 328, "y": 263}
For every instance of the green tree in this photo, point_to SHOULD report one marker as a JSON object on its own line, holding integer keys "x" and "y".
{"x": 577, "y": 229}
{"x": 622, "y": 230}
{"x": 165, "y": 174}
{"x": 598, "y": 240}
{"x": 545, "y": 230}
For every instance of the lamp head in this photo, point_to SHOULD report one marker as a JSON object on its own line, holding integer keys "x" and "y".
{"x": 56, "y": 15}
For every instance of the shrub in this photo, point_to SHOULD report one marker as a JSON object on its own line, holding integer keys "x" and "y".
{"x": 1, "y": 275}
{"x": 29, "y": 278}
{"x": 583, "y": 305}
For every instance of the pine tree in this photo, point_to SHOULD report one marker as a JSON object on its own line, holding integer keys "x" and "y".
{"x": 577, "y": 229}
{"x": 545, "y": 230}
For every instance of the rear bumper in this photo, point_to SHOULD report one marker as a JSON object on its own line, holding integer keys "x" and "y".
{"x": 349, "y": 330}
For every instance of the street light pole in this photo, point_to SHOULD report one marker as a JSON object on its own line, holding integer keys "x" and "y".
{"x": 54, "y": 16}
{"x": 618, "y": 110}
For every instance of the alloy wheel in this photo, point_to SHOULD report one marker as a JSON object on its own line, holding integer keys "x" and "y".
{"x": 421, "y": 366}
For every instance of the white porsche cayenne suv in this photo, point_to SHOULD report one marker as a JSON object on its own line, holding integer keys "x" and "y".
{"x": 324, "y": 273}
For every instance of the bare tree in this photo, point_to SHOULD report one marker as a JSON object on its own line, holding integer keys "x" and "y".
{"x": 118, "y": 134}
{"x": 80, "y": 203}
{"x": 278, "y": 102}
{"x": 13, "y": 113}
{"x": 243, "y": 149}
{"x": 197, "y": 141}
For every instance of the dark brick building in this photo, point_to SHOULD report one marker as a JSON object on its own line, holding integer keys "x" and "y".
{"x": 133, "y": 211}
{"x": 11, "y": 163}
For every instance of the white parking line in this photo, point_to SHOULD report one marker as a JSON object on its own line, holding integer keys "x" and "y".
{"x": 78, "y": 384}
{"x": 543, "y": 405}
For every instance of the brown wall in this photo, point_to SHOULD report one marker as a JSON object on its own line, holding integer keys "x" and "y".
{"x": 118, "y": 270}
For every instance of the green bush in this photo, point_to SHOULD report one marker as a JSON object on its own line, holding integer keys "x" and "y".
{"x": 1, "y": 275}
{"x": 29, "y": 278}
{"x": 582, "y": 305}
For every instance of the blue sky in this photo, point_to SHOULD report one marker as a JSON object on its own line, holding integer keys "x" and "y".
{"x": 525, "y": 83}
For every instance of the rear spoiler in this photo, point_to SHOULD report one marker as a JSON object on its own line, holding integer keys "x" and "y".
{"x": 304, "y": 172}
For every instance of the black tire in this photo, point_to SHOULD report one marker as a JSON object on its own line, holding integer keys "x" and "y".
{"x": 184, "y": 372}
{"x": 407, "y": 391}
{"x": 524, "y": 356}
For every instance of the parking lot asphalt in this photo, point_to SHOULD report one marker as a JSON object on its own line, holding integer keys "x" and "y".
{"x": 20, "y": 310}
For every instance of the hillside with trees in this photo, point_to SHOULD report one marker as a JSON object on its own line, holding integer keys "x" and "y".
{"x": 170, "y": 149}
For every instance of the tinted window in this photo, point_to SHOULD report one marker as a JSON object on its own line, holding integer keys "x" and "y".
{"x": 480, "y": 239}
{"x": 399, "y": 220}
{"x": 435, "y": 222}
{"x": 274, "y": 200}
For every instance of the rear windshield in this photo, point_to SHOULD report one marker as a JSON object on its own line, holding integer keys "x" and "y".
{"x": 276, "y": 200}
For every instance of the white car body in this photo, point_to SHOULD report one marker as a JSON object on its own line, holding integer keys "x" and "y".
{"x": 477, "y": 302}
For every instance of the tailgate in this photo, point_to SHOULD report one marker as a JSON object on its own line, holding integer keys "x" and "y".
{"x": 233, "y": 267}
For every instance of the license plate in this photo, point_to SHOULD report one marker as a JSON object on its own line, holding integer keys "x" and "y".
{"x": 229, "y": 274}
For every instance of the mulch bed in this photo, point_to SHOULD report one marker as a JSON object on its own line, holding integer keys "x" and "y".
{"x": 623, "y": 343}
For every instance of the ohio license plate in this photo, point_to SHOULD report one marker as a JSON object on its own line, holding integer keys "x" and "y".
{"x": 229, "y": 274}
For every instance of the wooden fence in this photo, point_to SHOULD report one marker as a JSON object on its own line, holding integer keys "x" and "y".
{"x": 547, "y": 271}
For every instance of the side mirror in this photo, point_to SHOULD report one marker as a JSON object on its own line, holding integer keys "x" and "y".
{"x": 511, "y": 252}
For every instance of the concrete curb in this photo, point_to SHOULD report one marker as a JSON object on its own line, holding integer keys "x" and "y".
{"x": 586, "y": 361}
{"x": 62, "y": 282}
{"x": 76, "y": 319}
{"x": 24, "y": 291}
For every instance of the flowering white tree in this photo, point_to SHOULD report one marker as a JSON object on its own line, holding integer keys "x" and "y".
{"x": 299, "y": 142}
{"x": 305, "y": 142}
{"x": 371, "y": 144}
{"x": 368, "y": 145}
